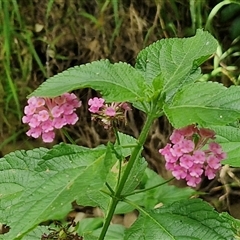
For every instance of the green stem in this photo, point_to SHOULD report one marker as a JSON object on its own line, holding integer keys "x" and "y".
{"x": 150, "y": 188}
{"x": 135, "y": 154}
{"x": 121, "y": 157}
{"x": 116, "y": 133}
{"x": 129, "y": 146}
{"x": 109, "y": 188}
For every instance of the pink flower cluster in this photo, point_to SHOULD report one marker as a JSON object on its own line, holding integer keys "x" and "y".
{"x": 107, "y": 112}
{"x": 191, "y": 154}
{"x": 43, "y": 115}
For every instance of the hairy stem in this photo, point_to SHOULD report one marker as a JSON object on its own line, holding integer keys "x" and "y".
{"x": 135, "y": 154}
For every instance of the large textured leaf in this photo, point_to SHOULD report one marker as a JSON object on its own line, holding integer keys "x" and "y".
{"x": 39, "y": 184}
{"x": 186, "y": 219}
{"x": 177, "y": 59}
{"x": 204, "y": 103}
{"x": 117, "y": 82}
{"x": 229, "y": 139}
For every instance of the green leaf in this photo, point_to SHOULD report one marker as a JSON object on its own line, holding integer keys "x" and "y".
{"x": 207, "y": 103}
{"x": 37, "y": 233}
{"x": 229, "y": 139}
{"x": 88, "y": 225}
{"x": 177, "y": 59}
{"x": 187, "y": 219}
{"x": 48, "y": 181}
{"x": 117, "y": 82}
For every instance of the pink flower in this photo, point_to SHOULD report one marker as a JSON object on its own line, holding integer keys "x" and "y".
{"x": 215, "y": 148}
{"x": 199, "y": 156}
{"x": 32, "y": 101}
{"x": 193, "y": 181}
{"x": 170, "y": 165}
{"x": 170, "y": 158}
{"x": 196, "y": 170}
{"x": 48, "y": 136}
{"x": 186, "y": 161}
{"x": 176, "y": 150}
{"x": 221, "y": 156}
{"x": 187, "y": 145}
{"x": 59, "y": 122}
{"x": 34, "y": 122}
{"x": 210, "y": 173}
{"x": 57, "y": 111}
{"x": 67, "y": 108}
{"x": 165, "y": 150}
{"x": 43, "y": 115}
{"x": 95, "y": 104}
{"x": 26, "y": 119}
{"x": 48, "y": 125}
{"x": 187, "y": 158}
{"x": 34, "y": 132}
{"x": 176, "y": 136}
{"x": 71, "y": 118}
{"x": 107, "y": 113}
{"x": 179, "y": 172}
{"x": 29, "y": 110}
{"x": 213, "y": 162}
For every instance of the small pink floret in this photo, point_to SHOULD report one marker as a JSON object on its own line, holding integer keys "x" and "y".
{"x": 186, "y": 161}
{"x": 176, "y": 150}
{"x": 29, "y": 110}
{"x": 199, "y": 156}
{"x": 215, "y": 148}
{"x": 193, "y": 181}
{"x": 176, "y": 137}
{"x": 57, "y": 111}
{"x": 186, "y": 145}
{"x": 48, "y": 136}
{"x": 179, "y": 172}
{"x": 71, "y": 118}
{"x": 213, "y": 162}
{"x": 43, "y": 115}
{"x": 110, "y": 112}
{"x": 97, "y": 102}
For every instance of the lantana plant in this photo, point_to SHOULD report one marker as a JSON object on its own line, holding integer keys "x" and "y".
{"x": 39, "y": 186}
